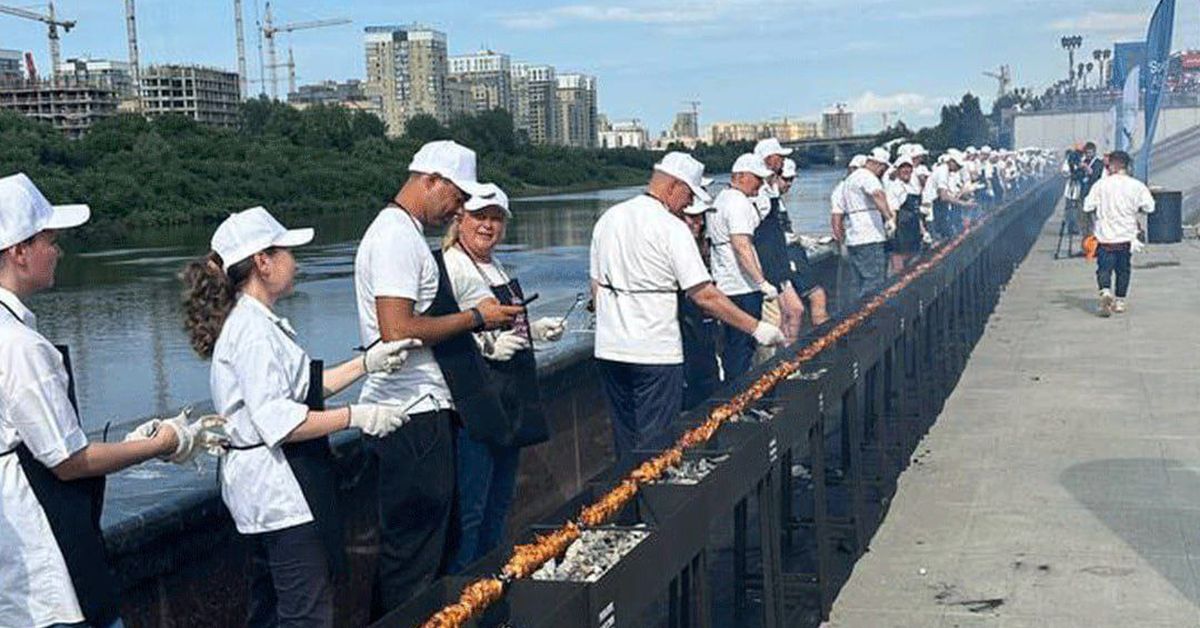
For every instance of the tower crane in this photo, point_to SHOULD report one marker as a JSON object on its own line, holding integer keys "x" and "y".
{"x": 269, "y": 30}
{"x": 1003, "y": 76}
{"x": 52, "y": 23}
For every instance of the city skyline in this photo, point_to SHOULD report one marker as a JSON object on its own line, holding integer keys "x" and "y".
{"x": 734, "y": 56}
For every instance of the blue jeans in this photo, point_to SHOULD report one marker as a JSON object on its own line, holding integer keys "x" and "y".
{"x": 738, "y": 354}
{"x": 1113, "y": 260}
{"x": 487, "y": 477}
{"x": 643, "y": 399}
{"x": 869, "y": 262}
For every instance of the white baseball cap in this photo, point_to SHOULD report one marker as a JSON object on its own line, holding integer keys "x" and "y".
{"x": 789, "y": 169}
{"x": 916, "y": 150}
{"x": 880, "y": 155}
{"x": 698, "y": 207}
{"x": 24, "y": 212}
{"x": 954, "y": 155}
{"x": 247, "y": 232}
{"x": 904, "y": 160}
{"x": 858, "y": 161}
{"x": 770, "y": 146}
{"x": 451, "y": 160}
{"x": 684, "y": 167}
{"x": 754, "y": 164}
{"x": 492, "y": 197}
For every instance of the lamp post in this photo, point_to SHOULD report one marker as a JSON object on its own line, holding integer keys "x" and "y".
{"x": 1071, "y": 44}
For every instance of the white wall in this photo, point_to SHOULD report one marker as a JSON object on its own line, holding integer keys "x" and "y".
{"x": 1060, "y": 130}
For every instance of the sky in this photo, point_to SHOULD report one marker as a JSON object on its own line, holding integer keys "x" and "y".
{"x": 742, "y": 59}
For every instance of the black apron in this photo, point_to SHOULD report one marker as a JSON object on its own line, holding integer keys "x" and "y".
{"x": 908, "y": 226}
{"x": 475, "y": 392}
{"x": 516, "y": 379}
{"x": 73, "y": 510}
{"x": 771, "y": 244}
{"x": 699, "y": 333}
{"x": 316, "y": 471}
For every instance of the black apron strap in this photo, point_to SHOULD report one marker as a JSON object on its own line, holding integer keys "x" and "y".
{"x": 313, "y": 464}
{"x": 476, "y": 398}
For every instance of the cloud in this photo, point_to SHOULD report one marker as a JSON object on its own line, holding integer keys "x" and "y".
{"x": 903, "y": 102}
{"x": 654, "y": 12}
{"x": 1103, "y": 22}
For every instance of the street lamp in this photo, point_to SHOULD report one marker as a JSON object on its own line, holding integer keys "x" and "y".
{"x": 1071, "y": 44}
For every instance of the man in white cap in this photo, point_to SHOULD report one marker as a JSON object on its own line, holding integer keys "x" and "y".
{"x": 770, "y": 240}
{"x": 403, "y": 291}
{"x": 642, "y": 256}
{"x": 859, "y": 219}
{"x": 945, "y": 186}
{"x": 52, "y": 556}
{"x": 737, "y": 268}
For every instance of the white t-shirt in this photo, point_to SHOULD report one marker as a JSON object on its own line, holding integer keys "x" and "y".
{"x": 897, "y": 193}
{"x": 394, "y": 260}
{"x": 735, "y": 215}
{"x": 259, "y": 380}
{"x": 1117, "y": 199}
{"x": 641, "y": 255}
{"x": 35, "y": 587}
{"x": 863, "y": 222}
{"x": 762, "y": 201}
{"x": 472, "y": 283}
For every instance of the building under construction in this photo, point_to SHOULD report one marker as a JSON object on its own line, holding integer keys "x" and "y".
{"x": 206, "y": 95}
{"x": 72, "y": 106}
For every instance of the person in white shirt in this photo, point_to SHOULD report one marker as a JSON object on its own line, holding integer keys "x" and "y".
{"x": 642, "y": 255}
{"x": 736, "y": 265}
{"x": 53, "y": 569}
{"x": 770, "y": 241}
{"x": 278, "y": 479}
{"x": 803, "y": 278}
{"x": 403, "y": 291}
{"x": 487, "y": 473}
{"x": 859, "y": 218}
{"x": 1115, "y": 201}
{"x": 944, "y": 190}
{"x": 905, "y": 203}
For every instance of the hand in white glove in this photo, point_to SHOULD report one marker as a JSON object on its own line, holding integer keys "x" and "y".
{"x": 1137, "y": 246}
{"x": 768, "y": 291}
{"x": 376, "y": 419}
{"x": 210, "y": 435}
{"x": 548, "y": 328}
{"x": 890, "y": 227}
{"x": 145, "y": 431}
{"x": 506, "y": 345}
{"x": 184, "y": 437}
{"x": 769, "y": 335}
{"x": 388, "y": 357}
{"x": 927, "y": 238}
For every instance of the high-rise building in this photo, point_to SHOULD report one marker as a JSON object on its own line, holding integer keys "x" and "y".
{"x": 536, "y": 90}
{"x": 576, "y": 94}
{"x": 406, "y": 70}
{"x": 115, "y": 74}
{"x": 687, "y": 124}
{"x": 789, "y": 130}
{"x": 489, "y": 75}
{"x": 71, "y": 106}
{"x": 10, "y": 66}
{"x": 206, "y": 95}
{"x": 460, "y": 99}
{"x": 347, "y": 95}
{"x": 837, "y": 123}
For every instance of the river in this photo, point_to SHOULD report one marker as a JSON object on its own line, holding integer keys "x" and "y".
{"x": 118, "y": 305}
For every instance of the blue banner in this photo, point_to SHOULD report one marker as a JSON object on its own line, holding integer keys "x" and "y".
{"x": 1126, "y": 111}
{"x": 1158, "y": 53}
{"x": 1127, "y": 55}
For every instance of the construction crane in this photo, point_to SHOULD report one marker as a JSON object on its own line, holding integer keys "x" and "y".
{"x": 52, "y": 22}
{"x": 1003, "y": 76}
{"x": 241, "y": 48}
{"x": 269, "y": 30}
{"x": 131, "y": 34}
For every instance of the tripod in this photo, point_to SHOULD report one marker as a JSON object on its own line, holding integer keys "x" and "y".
{"x": 1069, "y": 227}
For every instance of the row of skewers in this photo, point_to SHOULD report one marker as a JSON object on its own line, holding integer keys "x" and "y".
{"x": 528, "y": 558}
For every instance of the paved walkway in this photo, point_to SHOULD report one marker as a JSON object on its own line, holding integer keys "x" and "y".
{"x": 1061, "y": 484}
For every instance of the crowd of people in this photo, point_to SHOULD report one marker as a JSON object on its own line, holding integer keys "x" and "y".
{"x": 690, "y": 287}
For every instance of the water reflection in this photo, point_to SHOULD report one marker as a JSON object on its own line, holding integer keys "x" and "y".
{"x": 118, "y": 306}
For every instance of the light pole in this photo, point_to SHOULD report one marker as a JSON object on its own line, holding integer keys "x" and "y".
{"x": 1106, "y": 54}
{"x": 1071, "y": 44}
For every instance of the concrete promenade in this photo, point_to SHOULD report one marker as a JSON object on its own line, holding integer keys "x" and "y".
{"x": 1061, "y": 484}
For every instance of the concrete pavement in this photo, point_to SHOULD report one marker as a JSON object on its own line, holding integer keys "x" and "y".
{"x": 1061, "y": 484}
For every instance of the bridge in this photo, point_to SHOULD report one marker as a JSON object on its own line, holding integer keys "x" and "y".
{"x": 841, "y": 148}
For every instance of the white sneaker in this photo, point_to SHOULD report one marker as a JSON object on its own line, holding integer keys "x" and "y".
{"x": 1119, "y": 306}
{"x": 1105, "y": 308}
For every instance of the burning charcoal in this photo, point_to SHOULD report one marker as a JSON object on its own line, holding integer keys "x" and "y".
{"x": 692, "y": 471}
{"x": 591, "y": 556}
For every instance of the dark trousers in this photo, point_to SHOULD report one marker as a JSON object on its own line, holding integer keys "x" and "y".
{"x": 416, "y": 507}
{"x": 289, "y": 580}
{"x": 643, "y": 399}
{"x": 1112, "y": 259}
{"x": 869, "y": 262}
{"x": 738, "y": 353}
{"x": 487, "y": 477}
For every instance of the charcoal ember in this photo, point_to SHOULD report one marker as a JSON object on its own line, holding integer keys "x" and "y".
{"x": 591, "y": 555}
{"x": 691, "y": 471}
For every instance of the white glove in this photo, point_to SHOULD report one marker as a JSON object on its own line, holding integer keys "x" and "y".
{"x": 769, "y": 335}
{"x": 145, "y": 431}
{"x": 890, "y": 227}
{"x": 376, "y": 419}
{"x": 388, "y": 357}
{"x": 768, "y": 291}
{"x": 548, "y": 329}
{"x": 506, "y": 345}
{"x": 1137, "y": 246}
{"x": 185, "y": 433}
{"x": 927, "y": 238}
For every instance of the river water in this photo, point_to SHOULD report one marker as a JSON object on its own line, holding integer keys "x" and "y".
{"x": 118, "y": 305}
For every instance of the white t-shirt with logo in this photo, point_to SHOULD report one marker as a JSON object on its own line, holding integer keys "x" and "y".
{"x": 641, "y": 256}
{"x": 735, "y": 215}
{"x": 394, "y": 260}
{"x": 863, "y": 223}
